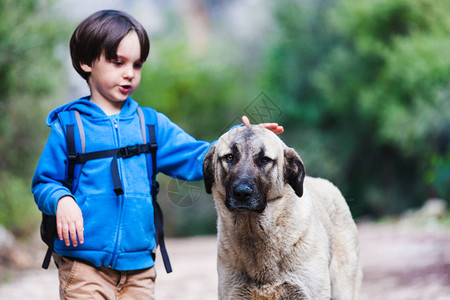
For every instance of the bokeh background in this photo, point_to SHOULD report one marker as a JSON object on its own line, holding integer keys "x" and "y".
{"x": 362, "y": 88}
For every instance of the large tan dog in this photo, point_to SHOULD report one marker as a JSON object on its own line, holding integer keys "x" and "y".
{"x": 280, "y": 235}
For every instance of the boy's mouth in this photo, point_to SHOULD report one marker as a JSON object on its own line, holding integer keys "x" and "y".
{"x": 125, "y": 88}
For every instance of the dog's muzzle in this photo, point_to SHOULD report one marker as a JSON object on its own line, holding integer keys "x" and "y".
{"x": 243, "y": 196}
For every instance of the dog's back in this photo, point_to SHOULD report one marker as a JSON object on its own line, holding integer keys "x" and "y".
{"x": 333, "y": 211}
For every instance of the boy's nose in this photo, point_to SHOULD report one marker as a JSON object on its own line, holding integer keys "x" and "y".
{"x": 128, "y": 72}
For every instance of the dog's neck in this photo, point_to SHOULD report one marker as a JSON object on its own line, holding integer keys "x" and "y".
{"x": 250, "y": 233}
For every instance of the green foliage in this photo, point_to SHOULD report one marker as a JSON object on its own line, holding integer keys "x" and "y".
{"x": 28, "y": 73}
{"x": 29, "y": 76}
{"x": 367, "y": 83}
{"x": 27, "y": 46}
{"x": 408, "y": 39}
{"x": 17, "y": 211}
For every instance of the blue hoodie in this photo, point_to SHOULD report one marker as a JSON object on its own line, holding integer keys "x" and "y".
{"x": 119, "y": 231}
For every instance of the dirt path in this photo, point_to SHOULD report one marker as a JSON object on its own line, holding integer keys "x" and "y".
{"x": 405, "y": 263}
{"x": 399, "y": 263}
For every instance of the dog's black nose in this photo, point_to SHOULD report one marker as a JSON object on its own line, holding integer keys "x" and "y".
{"x": 242, "y": 192}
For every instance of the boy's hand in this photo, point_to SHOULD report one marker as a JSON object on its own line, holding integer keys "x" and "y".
{"x": 274, "y": 127}
{"x": 69, "y": 221}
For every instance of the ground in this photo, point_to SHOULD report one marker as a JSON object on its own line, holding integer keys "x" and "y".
{"x": 399, "y": 262}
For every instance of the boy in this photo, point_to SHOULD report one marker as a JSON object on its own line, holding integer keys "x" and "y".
{"x": 105, "y": 228}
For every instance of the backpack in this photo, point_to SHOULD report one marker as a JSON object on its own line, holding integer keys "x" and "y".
{"x": 75, "y": 139}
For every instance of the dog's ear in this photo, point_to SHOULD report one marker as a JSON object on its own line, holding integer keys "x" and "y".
{"x": 294, "y": 170}
{"x": 208, "y": 170}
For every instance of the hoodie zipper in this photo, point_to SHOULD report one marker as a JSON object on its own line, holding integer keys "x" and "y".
{"x": 120, "y": 202}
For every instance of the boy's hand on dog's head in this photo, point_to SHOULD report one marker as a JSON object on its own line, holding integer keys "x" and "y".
{"x": 69, "y": 221}
{"x": 274, "y": 127}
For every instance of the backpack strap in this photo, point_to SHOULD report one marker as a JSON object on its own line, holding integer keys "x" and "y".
{"x": 69, "y": 121}
{"x": 72, "y": 147}
{"x": 48, "y": 234}
{"x": 77, "y": 158}
{"x": 148, "y": 125}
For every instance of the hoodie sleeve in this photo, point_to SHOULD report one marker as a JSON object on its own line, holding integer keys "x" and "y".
{"x": 47, "y": 185}
{"x": 179, "y": 154}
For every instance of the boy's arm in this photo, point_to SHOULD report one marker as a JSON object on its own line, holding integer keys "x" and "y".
{"x": 179, "y": 154}
{"x": 47, "y": 185}
{"x": 51, "y": 196}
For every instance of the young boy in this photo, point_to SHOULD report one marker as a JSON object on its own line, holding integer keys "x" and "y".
{"x": 106, "y": 235}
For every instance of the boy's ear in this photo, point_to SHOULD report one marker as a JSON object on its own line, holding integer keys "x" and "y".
{"x": 86, "y": 68}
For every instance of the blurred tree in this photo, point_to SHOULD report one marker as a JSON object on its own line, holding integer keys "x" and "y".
{"x": 367, "y": 83}
{"x": 29, "y": 73}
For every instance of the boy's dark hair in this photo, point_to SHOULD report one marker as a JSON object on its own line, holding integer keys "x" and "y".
{"x": 102, "y": 32}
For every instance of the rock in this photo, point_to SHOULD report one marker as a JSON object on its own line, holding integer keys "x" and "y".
{"x": 427, "y": 216}
{"x": 20, "y": 259}
{"x": 7, "y": 239}
{"x": 10, "y": 253}
{"x": 433, "y": 208}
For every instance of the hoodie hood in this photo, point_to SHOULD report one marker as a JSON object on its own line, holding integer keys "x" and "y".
{"x": 88, "y": 108}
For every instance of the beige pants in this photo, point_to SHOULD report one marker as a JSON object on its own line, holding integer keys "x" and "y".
{"x": 78, "y": 280}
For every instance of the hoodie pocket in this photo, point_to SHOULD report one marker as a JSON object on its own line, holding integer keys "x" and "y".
{"x": 100, "y": 220}
{"x": 138, "y": 229}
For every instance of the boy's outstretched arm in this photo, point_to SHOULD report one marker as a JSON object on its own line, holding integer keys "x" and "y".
{"x": 274, "y": 127}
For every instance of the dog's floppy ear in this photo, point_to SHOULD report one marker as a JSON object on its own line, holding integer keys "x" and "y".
{"x": 208, "y": 170}
{"x": 294, "y": 170}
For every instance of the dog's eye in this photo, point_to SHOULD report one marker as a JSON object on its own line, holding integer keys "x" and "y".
{"x": 265, "y": 160}
{"x": 229, "y": 157}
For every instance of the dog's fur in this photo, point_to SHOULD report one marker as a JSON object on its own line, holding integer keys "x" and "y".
{"x": 280, "y": 235}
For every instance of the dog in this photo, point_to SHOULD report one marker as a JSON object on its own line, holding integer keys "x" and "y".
{"x": 281, "y": 235}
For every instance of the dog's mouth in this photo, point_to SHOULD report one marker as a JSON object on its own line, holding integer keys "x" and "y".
{"x": 251, "y": 205}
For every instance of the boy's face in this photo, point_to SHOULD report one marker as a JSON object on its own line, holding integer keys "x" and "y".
{"x": 111, "y": 82}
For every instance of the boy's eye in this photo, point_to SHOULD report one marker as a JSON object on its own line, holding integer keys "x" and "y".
{"x": 137, "y": 65}
{"x": 118, "y": 62}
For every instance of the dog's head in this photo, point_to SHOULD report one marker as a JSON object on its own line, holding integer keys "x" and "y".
{"x": 249, "y": 166}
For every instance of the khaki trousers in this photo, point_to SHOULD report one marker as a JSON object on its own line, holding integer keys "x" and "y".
{"x": 79, "y": 280}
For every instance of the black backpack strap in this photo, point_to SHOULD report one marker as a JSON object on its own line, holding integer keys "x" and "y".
{"x": 72, "y": 150}
{"x": 48, "y": 234}
{"x": 72, "y": 153}
{"x": 69, "y": 120}
{"x": 124, "y": 152}
{"x": 150, "y": 127}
